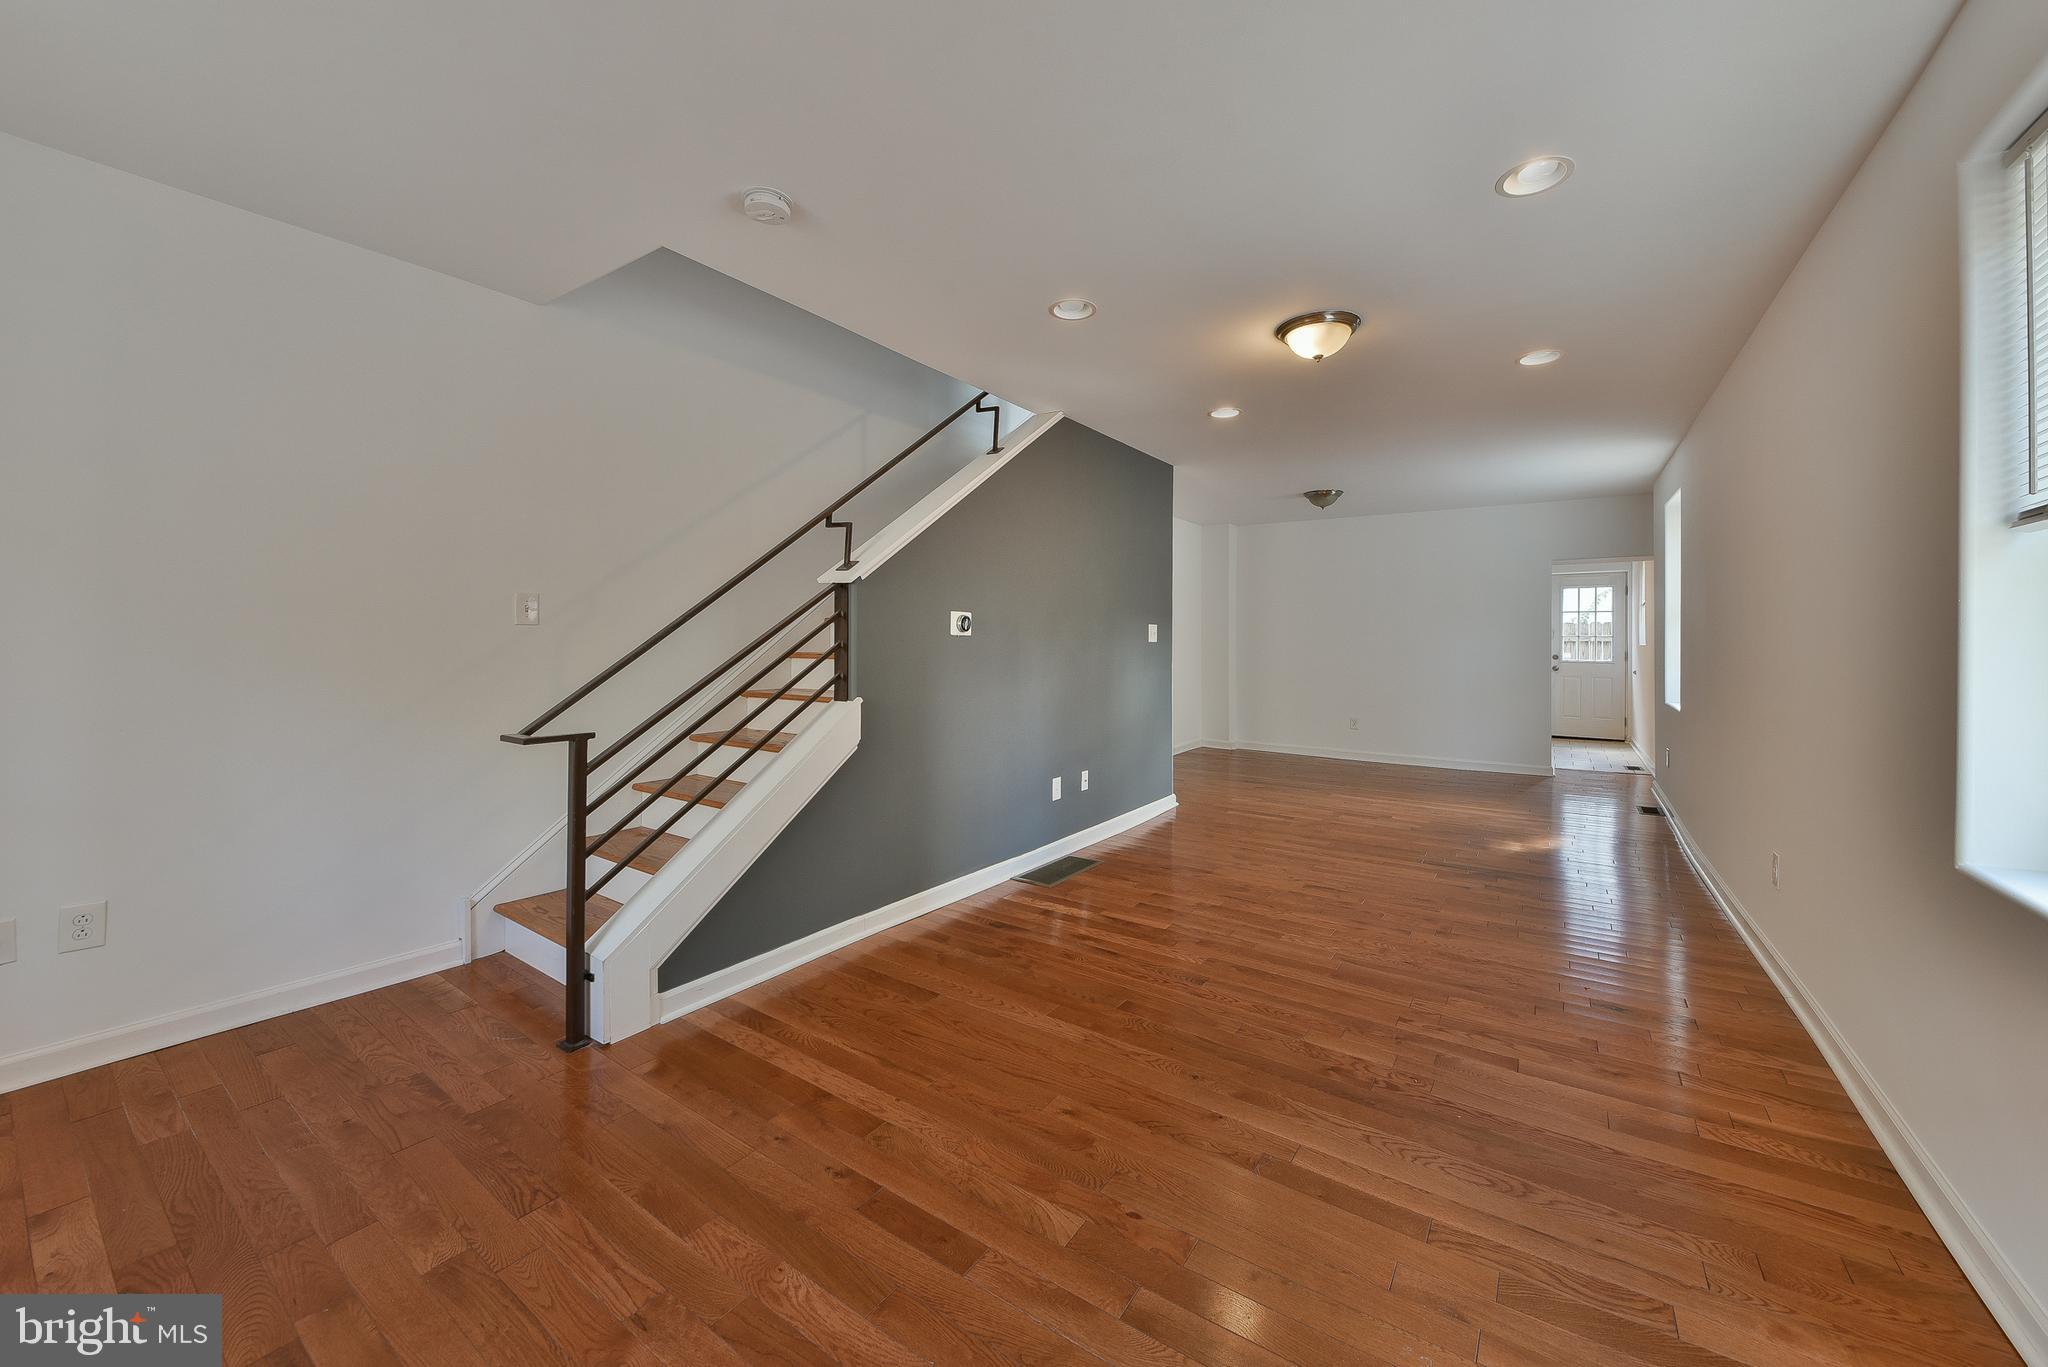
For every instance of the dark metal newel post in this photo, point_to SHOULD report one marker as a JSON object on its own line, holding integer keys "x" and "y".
{"x": 576, "y": 953}
{"x": 842, "y": 606}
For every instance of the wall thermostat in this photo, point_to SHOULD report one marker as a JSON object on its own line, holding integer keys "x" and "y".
{"x": 960, "y": 623}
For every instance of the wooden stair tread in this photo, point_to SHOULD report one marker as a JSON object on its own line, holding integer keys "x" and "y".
{"x": 795, "y": 695}
{"x": 548, "y": 914}
{"x": 665, "y": 847}
{"x": 747, "y": 737}
{"x": 691, "y": 785}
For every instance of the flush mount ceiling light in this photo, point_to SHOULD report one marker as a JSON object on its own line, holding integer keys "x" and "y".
{"x": 1072, "y": 310}
{"x": 1323, "y": 498}
{"x": 1543, "y": 356}
{"x": 764, "y": 205}
{"x": 1313, "y": 336}
{"x": 1534, "y": 176}
{"x": 1226, "y": 411}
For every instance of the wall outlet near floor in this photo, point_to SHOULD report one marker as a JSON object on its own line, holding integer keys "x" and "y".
{"x": 1353, "y": 724}
{"x": 7, "y": 954}
{"x": 1055, "y": 787}
{"x": 1774, "y": 868}
{"x": 1084, "y": 780}
{"x": 82, "y": 927}
{"x": 526, "y": 610}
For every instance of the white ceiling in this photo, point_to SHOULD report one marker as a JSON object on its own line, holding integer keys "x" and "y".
{"x": 1200, "y": 170}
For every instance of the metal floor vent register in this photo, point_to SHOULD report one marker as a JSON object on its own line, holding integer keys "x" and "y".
{"x": 1058, "y": 871}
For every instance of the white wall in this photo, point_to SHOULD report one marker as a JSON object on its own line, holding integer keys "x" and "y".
{"x": 1187, "y": 633}
{"x": 1819, "y": 711}
{"x": 1431, "y": 629}
{"x": 265, "y": 500}
{"x": 1642, "y": 661}
{"x": 1201, "y": 633}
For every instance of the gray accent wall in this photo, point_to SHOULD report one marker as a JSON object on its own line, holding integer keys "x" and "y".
{"x": 1063, "y": 556}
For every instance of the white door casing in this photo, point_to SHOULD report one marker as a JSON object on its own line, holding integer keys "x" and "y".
{"x": 1589, "y": 635}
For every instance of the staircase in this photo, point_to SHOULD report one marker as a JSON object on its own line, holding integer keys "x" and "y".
{"x": 663, "y": 819}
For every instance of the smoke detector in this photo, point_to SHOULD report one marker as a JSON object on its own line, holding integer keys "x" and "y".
{"x": 764, "y": 205}
{"x": 1323, "y": 498}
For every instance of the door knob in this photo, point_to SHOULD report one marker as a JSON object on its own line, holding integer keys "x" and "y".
{"x": 1553, "y": 657}
{"x": 1553, "y": 669}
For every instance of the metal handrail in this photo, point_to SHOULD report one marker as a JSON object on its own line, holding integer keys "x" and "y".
{"x": 577, "y": 976}
{"x": 824, "y": 516}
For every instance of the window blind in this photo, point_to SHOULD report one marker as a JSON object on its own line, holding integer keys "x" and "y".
{"x": 2029, "y": 161}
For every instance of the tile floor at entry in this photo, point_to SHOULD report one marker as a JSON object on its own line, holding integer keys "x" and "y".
{"x": 1599, "y": 756}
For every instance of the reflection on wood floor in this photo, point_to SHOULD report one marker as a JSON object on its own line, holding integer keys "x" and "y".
{"x": 1339, "y": 1064}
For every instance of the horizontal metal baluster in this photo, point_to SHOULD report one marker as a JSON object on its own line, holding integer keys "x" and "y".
{"x": 748, "y": 754}
{"x": 737, "y": 727}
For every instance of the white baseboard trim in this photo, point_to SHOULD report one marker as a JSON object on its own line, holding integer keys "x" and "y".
{"x": 1484, "y": 766}
{"x": 31, "y": 1066}
{"x": 687, "y": 997}
{"x": 2012, "y": 1303}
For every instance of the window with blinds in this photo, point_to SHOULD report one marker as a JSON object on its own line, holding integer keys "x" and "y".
{"x": 2029, "y": 162}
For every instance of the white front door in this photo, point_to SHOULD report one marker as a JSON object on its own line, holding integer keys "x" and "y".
{"x": 1589, "y": 655}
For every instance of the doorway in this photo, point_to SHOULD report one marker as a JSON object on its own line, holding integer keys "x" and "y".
{"x": 1589, "y": 655}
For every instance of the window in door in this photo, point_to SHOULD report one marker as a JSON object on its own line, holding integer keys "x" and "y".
{"x": 1587, "y": 623}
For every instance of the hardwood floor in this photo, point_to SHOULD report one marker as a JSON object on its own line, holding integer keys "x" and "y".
{"x": 1339, "y": 1064}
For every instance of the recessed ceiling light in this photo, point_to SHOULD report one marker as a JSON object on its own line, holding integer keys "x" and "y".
{"x": 1543, "y": 357}
{"x": 1073, "y": 310}
{"x": 1534, "y": 176}
{"x": 1227, "y": 411}
{"x": 1313, "y": 336}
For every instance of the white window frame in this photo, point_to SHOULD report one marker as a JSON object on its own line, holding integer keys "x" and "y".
{"x": 2026, "y": 164}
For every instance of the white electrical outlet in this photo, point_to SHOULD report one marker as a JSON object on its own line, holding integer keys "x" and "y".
{"x": 82, "y": 927}
{"x": 526, "y": 610}
{"x": 7, "y": 955}
{"x": 1151, "y": 631}
{"x": 1354, "y": 723}
{"x": 1084, "y": 780}
{"x": 1055, "y": 787}
{"x": 1774, "y": 868}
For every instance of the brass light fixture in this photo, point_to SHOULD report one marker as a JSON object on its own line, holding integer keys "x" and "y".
{"x": 1323, "y": 498}
{"x": 1313, "y": 336}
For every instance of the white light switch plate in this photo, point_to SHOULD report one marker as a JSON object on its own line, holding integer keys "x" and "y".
{"x": 1055, "y": 788}
{"x": 1151, "y": 631}
{"x": 7, "y": 942}
{"x": 1084, "y": 780}
{"x": 526, "y": 610}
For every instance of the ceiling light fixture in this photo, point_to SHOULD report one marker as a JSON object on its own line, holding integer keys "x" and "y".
{"x": 764, "y": 205}
{"x": 1323, "y": 498}
{"x": 1313, "y": 336}
{"x": 1072, "y": 310}
{"x": 1226, "y": 411}
{"x": 1543, "y": 357}
{"x": 1534, "y": 176}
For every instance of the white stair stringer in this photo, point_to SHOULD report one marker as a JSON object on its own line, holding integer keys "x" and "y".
{"x": 627, "y": 953}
